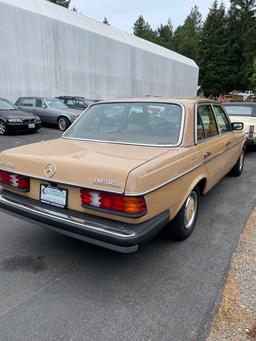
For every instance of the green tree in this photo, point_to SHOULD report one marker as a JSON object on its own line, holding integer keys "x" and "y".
{"x": 105, "y": 21}
{"x": 165, "y": 34}
{"x": 242, "y": 33}
{"x": 64, "y": 3}
{"x": 253, "y": 78}
{"x": 143, "y": 30}
{"x": 187, "y": 36}
{"x": 215, "y": 55}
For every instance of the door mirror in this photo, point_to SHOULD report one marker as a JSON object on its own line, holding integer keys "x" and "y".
{"x": 237, "y": 126}
{"x": 44, "y": 106}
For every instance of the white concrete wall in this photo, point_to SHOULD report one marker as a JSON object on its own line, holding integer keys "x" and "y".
{"x": 47, "y": 50}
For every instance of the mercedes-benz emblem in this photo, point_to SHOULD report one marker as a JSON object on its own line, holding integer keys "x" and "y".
{"x": 50, "y": 170}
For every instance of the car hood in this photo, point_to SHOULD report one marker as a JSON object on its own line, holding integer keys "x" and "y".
{"x": 82, "y": 163}
{"x": 16, "y": 114}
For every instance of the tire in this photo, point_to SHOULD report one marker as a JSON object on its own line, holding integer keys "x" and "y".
{"x": 237, "y": 170}
{"x": 63, "y": 123}
{"x": 181, "y": 227}
{"x": 3, "y": 127}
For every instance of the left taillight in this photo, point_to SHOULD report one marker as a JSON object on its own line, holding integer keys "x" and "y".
{"x": 17, "y": 181}
{"x": 112, "y": 202}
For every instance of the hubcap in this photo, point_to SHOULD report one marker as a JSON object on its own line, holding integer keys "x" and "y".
{"x": 190, "y": 210}
{"x": 2, "y": 128}
{"x": 241, "y": 161}
{"x": 62, "y": 124}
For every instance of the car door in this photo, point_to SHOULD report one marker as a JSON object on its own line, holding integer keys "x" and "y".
{"x": 210, "y": 144}
{"x": 229, "y": 138}
{"x": 41, "y": 110}
{"x": 27, "y": 104}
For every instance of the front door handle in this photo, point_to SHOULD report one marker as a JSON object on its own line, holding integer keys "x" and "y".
{"x": 227, "y": 143}
{"x": 207, "y": 154}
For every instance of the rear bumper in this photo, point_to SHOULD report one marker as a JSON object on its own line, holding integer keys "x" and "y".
{"x": 114, "y": 235}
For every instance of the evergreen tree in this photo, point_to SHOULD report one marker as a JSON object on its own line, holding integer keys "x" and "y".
{"x": 165, "y": 34}
{"x": 242, "y": 32}
{"x": 64, "y": 3}
{"x": 143, "y": 30}
{"x": 215, "y": 57}
{"x": 105, "y": 21}
{"x": 253, "y": 78}
{"x": 187, "y": 36}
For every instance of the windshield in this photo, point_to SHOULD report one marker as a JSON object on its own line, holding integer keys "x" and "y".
{"x": 55, "y": 104}
{"x": 239, "y": 110}
{"x": 5, "y": 105}
{"x": 135, "y": 123}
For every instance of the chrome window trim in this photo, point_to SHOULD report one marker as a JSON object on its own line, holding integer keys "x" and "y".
{"x": 219, "y": 105}
{"x": 195, "y": 113}
{"x": 181, "y": 134}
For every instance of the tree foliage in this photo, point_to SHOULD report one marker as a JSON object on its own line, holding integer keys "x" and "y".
{"x": 224, "y": 45}
{"x": 64, "y": 3}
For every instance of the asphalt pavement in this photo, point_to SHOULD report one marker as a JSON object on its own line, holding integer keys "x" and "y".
{"x": 56, "y": 288}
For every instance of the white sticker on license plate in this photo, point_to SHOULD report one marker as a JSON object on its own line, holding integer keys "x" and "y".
{"x": 53, "y": 196}
{"x": 31, "y": 125}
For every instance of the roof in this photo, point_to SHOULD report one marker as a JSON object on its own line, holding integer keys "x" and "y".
{"x": 59, "y": 13}
{"x": 160, "y": 99}
{"x": 241, "y": 103}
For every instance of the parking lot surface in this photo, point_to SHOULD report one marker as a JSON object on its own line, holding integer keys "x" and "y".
{"x": 56, "y": 288}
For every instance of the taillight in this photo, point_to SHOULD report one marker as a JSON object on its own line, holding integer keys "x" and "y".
{"x": 251, "y": 131}
{"x": 14, "y": 180}
{"x": 129, "y": 206}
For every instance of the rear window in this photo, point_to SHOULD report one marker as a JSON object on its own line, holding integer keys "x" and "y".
{"x": 239, "y": 110}
{"x": 134, "y": 123}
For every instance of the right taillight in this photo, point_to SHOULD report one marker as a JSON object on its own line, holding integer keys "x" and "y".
{"x": 251, "y": 131}
{"x": 19, "y": 182}
{"x": 112, "y": 202}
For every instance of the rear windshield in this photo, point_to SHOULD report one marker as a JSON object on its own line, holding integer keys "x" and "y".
{"x": 135, "y": 123}
{"x": 239, "y": 110}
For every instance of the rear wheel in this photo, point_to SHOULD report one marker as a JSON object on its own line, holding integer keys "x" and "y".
{"x": 237, "y": 170}
{"x": 63, "y": 123}
{"x": 183, "y": 224}
{"x": 3, "y": 127}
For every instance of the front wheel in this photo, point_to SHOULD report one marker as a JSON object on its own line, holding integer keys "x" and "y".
{"x": 183, "y": 224}
{"x": 63, "y": 123}
{"x": 237, "y": 170}
{"x": 3, "y": 127}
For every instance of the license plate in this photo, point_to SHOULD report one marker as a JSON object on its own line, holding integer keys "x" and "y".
{"x": 53, "y": 196}
{"x": 31, "y": 126}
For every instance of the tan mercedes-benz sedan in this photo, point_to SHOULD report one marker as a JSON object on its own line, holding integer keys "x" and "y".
{"x": 124, "y": 170}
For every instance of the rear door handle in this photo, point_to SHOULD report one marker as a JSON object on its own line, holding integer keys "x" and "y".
{"x": 207, "y": 154}
{"x": 227, "y": 143}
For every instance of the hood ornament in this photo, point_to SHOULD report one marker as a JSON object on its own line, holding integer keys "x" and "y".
{"x": 50, "y": 170}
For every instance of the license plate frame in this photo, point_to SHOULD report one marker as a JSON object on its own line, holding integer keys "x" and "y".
{"x": 53, "y": 196}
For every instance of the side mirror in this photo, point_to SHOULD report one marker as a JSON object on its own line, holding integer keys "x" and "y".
{"x": 237, "y": 126}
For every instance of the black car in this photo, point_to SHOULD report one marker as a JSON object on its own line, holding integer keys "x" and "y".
{"x": 75, "y": 101}
{"x": 14, "y": 119}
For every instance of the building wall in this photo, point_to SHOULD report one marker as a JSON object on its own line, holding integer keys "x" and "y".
{"x": 47, "y": 50}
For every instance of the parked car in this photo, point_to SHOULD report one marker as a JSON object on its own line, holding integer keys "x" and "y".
{"x": 246, "y": 113}
{"x": 13, "y": 119}
{"x": 76, "y": 102}
{"x": 50, "y": 110}
{"x": 123, "y": 171}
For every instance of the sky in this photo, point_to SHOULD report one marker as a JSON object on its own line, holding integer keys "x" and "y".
{"x": 123, "y": 13}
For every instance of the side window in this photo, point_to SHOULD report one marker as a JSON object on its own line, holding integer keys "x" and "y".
{"x": 208, "y": 121}
{"x": 39, "y": 103}
{"x": 28, "y": 102}
{"x": 200, "y": 128}
{"x": 222, "y": 120}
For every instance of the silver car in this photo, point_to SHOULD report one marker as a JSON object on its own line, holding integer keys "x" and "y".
{"x": 50, "y": 110}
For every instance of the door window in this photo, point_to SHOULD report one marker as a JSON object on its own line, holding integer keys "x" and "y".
{"x": 39, "y": 103}
{"x": 208, "y": 121}
{"x": 222, "y": 120}
{"x": 28, "y": 102}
